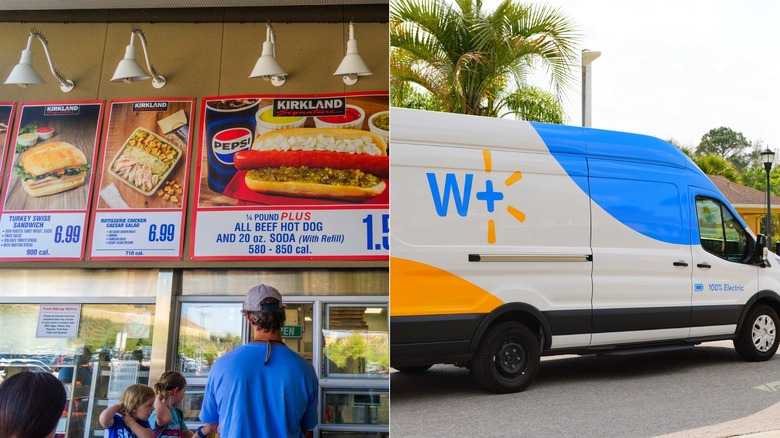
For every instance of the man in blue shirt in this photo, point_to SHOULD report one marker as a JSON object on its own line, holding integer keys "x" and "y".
{"x": 262, "y": 389}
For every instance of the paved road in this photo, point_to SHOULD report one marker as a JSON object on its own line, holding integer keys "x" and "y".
{"x": 707, "y": 391}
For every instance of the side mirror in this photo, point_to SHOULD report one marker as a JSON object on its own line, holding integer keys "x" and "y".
{"x": 760, "y": 252}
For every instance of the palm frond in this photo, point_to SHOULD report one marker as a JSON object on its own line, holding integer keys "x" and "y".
{"x": 471, "y": 59}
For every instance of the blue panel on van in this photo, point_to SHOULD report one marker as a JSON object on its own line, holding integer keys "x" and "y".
{"x": 562, "y": 139}
{"x": 644, "y": 197}
{"x": 633, "y": 147}
{"x": 620, "y": 166}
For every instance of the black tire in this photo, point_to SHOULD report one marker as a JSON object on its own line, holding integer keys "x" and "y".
{"x": 518, "y": 347}
{"x": 758, "y": 340}
{"x": 416, "y": 369}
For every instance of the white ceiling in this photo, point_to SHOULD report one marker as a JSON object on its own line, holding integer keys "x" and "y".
{"x": 28, "y": 5}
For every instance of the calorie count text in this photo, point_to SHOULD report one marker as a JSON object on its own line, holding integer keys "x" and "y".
{"x": 280, "y": 233}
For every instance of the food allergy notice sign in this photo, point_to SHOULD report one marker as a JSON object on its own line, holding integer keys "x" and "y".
{"x": 49, "y": 175}
{"x": 293, "y": 177}
{"x": 58, "y": 321}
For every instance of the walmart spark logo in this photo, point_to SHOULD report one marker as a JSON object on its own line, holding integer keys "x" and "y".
{"x": 459, "y": 193}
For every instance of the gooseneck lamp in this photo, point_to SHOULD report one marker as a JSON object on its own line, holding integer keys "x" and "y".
{"x": 24, "y": 74}
{"x": 128, "y": 69}
{"x": 267, "y": 67}
{"x": 352, "y": 66}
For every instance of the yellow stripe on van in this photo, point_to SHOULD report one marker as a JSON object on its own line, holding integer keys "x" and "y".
{"x": 488, "y": 161}
{"x": 421, "y": 289}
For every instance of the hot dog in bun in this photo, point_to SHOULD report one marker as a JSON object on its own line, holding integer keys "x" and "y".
{"x": 316, "y": 162}
{"x": 51, "y": 168}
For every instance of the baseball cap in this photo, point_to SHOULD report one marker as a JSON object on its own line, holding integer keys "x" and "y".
{"x": 257, "y": 294}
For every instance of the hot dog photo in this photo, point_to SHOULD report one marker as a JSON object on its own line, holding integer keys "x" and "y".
{"x": 295, "y": 151}
{"x": 316, "y": 162}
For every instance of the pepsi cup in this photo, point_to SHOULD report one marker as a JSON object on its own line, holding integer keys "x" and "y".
{"x": 230, "y": 127}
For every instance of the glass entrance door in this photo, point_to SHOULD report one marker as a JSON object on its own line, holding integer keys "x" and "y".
{"x": 344, "y": 338}
{"x": 207, "y": 330}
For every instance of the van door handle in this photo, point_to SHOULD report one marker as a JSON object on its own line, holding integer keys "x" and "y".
{"x": 680, "y": 263}
{"x": 703, "y": 265}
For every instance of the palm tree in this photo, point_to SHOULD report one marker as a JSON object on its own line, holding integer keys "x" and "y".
{"x": 712, "y": 164}
{"x": 471, "y": 61}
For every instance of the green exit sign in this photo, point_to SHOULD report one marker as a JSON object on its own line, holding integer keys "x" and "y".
{"x": 291, "y": 331}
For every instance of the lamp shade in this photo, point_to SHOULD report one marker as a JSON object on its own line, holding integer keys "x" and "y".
{"x": 267, "y": 65}
{"x": 353, "y": 64}
{"x": 768, "y": 156}
{"x": 128, "y": 69}
{"x": 23, "y": 73}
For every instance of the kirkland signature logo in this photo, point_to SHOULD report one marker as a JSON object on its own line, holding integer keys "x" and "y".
{"x": 331, "y": 106}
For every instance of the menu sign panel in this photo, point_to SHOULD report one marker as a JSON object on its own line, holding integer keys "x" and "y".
{"x": 6, "y": 115}
{"x": 49, "y": 175}
{"x": 142, "y": 192}
{"x": 293, "y": 178}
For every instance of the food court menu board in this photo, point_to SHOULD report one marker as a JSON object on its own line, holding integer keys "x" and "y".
{"x": 49, "y": 175}
{"x": 6, "y": 116}
{"x": 140, "y": 209}
{"x": 293, "y": 177}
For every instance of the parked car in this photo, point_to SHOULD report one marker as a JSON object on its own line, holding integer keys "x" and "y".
{"x": 33, "y": 365}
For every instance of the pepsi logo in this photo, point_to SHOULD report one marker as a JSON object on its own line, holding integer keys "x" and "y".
{"x": 228, "y": 142}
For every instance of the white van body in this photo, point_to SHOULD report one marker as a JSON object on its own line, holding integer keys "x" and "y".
{"x": 506, "y": 233}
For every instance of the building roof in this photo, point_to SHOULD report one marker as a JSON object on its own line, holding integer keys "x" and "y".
{"x": 742, "y": 196}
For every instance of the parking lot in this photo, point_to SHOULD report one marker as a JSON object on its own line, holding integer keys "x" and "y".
{"x": 708, "y": 390}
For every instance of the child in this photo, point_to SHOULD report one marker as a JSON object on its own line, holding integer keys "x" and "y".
{"x": 167, "y": 419}
{"x": 130, "y": 418}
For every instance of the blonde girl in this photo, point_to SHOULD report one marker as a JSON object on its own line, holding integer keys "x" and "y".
{"x": 167, "y": 419}
{"x": 130, "y": 417}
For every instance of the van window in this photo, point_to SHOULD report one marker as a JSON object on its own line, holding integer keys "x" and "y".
{"x": 720, "y": 232}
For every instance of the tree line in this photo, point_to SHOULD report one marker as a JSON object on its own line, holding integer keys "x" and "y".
{"x": 728, "y": 153}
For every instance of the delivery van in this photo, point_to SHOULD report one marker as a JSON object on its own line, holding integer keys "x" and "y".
{"x": 513, "y": 239}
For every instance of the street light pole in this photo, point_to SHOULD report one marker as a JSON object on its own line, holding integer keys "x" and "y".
{"x": 588, "y": 56}
{"x": 768, "y": 157}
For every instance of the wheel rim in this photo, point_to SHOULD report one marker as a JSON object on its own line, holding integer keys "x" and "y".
{"x": 510, "y": 359}
{"x": 764, "y": 333}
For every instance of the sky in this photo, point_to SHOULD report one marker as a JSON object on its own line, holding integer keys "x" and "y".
{"x": 677, "y": 69}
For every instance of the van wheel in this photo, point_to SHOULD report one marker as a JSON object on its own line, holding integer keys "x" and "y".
{"x": 757, "y": 341}
{"x": 508, "y": 358}
{"x": 416, "y": 369}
